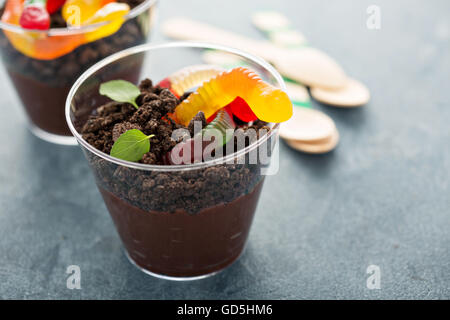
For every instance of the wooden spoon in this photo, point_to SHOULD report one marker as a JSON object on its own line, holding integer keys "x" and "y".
{"x": 316, "y": 147}
{"x": 307, "y": 125}
{"x": 307, "y": 65}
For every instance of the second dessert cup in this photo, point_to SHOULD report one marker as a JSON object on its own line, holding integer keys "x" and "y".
{"x": 178, "y": 222}
{"x": 43, "y": 79}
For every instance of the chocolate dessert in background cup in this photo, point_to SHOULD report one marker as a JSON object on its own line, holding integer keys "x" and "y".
{"x": 191, "y": 219}
{"x": 44, "y": 64}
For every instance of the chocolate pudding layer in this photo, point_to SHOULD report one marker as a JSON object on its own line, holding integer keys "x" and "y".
{"x": 180, "y": 244}
{"x": 43, "y": 85}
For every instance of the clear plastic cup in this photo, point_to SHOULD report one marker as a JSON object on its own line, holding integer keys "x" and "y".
{"x": 43, "y": 65}
{"x": 178, "y": 222}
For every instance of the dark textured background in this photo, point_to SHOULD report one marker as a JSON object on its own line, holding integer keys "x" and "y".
{"x": 383, "y": 197}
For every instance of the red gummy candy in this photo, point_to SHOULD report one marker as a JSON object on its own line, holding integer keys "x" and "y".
{"x": 165, "y": 83}
{"x": 54, "y": 5}
{"x": 35, "y": 17}
{"x": 242, "y": 110}
{"x": 239, "y": 108}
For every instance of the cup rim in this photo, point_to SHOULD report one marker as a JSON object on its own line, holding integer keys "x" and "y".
{"x": 174, "y": 44}
{"x": 79, "y": 30}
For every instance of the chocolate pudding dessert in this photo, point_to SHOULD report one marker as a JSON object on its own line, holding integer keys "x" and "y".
{"x": 179, "y": 213}
{"x": 43, "y": 77}
{"x": 186, "y": 224}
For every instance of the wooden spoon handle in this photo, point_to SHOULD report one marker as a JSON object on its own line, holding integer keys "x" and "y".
{"x": 186, "y": 29}
{"x": 305, "y": 65}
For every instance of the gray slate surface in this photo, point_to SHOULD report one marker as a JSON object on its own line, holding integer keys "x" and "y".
{"x": 381, "y": 198}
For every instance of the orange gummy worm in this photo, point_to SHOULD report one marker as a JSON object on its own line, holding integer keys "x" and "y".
{"x": 269, "y": 103}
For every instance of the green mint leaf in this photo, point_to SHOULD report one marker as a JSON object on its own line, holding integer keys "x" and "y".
{"x": 120, "y": 91}
{"x": 131, "y": 145}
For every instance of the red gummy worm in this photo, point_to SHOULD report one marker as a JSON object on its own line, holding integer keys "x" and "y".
{"x": 54, "y": 5}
